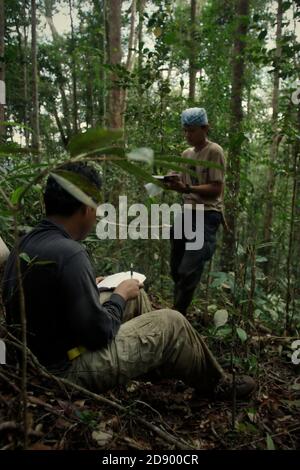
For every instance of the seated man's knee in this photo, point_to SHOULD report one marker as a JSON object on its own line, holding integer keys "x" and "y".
{"x": 174, "y": 316}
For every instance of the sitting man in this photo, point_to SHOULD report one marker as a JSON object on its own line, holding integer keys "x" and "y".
{"x": 75, "y": 335}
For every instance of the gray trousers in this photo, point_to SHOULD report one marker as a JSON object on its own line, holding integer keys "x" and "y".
{"x": 187, "y": 265}
{"x": 162, "y": 341}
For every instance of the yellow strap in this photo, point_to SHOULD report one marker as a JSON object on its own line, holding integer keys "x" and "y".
{"x": 75, "y": 352}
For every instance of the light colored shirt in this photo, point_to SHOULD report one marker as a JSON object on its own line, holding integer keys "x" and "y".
{"x": 211, "y": 153}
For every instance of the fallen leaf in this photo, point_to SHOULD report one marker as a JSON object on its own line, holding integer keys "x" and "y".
{"x": 79, "y": 403}
{"x": 39, "y": 427}
{"x": 102, "y": 437}
{"x": 270, "y": 443}
{"x": 220, "y": 318}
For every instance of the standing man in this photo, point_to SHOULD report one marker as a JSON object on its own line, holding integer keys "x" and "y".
{"x": 206, "y": 187}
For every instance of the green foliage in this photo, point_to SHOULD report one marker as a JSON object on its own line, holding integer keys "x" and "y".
{"x": 93, "y": 141}
{"x": 67, "y": 182}
{"x": 156, "y": 93}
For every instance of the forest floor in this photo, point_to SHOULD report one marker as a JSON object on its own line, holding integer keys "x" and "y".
{"x": 60, "y": 417}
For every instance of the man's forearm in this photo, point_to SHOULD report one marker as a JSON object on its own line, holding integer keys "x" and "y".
{"x": 209, "y": 189}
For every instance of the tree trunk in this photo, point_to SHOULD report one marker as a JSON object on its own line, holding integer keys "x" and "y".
{"x": 130, "y": 55}
{"x": 141, "y": 7}
{"x": 49, "y": 4}
{"x": 100, "y": 11}
{"x": 193, "y": 49}
{"x": 2, "y": 72}
{"x": 115, "y": 97}
{"x": 74, "y": 72}
{"x": 35, "y": 94}
{"x": 103, "y": 70}
{"x": 235, "y": 134}
{"x": 89, "y": 94}
{"x": 296, "y": 265}
{"x": 271, "y": 180}
{"x": 65, "y": 121}
{"x": 64, "y": 139}
{"x": 292, "y": 258}
{"x": 25, "y": 75}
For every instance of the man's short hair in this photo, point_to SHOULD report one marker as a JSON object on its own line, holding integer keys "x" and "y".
{"x": 58, "y": 201}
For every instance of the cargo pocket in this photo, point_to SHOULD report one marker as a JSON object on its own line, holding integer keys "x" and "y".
{"x": 150, "y": 348}
{"x": 128, "y": 349}
{"x": 137, "y": 354}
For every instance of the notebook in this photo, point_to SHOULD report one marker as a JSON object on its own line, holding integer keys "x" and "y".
{"x": 166, "y": 178}
{"x": 110, "y": 282}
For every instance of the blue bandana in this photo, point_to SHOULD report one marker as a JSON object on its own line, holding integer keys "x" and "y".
{"x": 194, "y": 117}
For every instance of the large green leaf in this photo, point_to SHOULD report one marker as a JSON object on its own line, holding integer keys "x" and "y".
{"x": 104, "y": 151}
{"x": 270, "y": 443}
{"x": 25, "y": 257}
{"x": 175, "y": 167}
{"x": 242, "y": 334}
{"x": 137, "y": 171}
{"x": 93, "y": 139}
{"x": 15, "y": 197}
{"x": 220, "y": 318}
{"x": 143, "y": 154}
{"x": 224, "y": 331}
{"x": 12, "y": 149}
{"x": 73, "y": 189}
{"x": 15, "y": 124}
{"x": 81, "y": 182}
{"x": 187, "y": 161}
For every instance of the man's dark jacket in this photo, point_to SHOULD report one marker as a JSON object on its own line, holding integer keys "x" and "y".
{"x": 61, "y": 297}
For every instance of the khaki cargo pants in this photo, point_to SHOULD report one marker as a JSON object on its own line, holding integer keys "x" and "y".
{"x": 162, "y": 342}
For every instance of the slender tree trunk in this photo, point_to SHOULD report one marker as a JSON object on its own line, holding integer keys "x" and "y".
{"x": 49, "y": 5}
{"x": 22, "y": 35}
{"x": 130, "y": 55}
{"x": 103, "y": 74}
{"x": 296, "y": 257}
{"x": 251, "y": 303}
{"x": 64, "y": 139}
{"x": 65, "y": 121}
{"x": 236, "y": 129}
{"x": 292, "y": 235}
{"x": 141, "y": 7}
{"x": 64, "y": 101}
{"x": 25, "y": 75}
{"x": 115, "y": 98}
{"x": 35, "y": 92}
{"x": 193, "y": 50}
{"x": 101, "y": 38}
{"x": 2, "y": 72}
{"x": 74, "y": 72}
{"x": 271, "y": 179}
{"x": 90, "y": 107}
